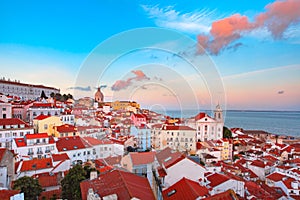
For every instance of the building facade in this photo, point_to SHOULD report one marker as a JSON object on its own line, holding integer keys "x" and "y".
{"x": 23, "y": 90}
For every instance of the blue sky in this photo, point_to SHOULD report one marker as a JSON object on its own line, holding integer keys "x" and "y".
{"x": 49, "y": 42}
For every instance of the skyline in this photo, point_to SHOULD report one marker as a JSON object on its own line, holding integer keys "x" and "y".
{"x": 255, "y": 56}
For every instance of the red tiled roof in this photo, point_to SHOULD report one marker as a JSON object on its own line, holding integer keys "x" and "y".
{"x": 11, "y": 121}
{"x": 2, "y": 152}
{"x": 30, "y": 165}
{"x": 142, "y": 158}
{"x": 60, "y": 157}
{"x": 111, "y": 160}
{"x": 288, "y": 182}
{"x": 66, "y": 128}
{"x": 41, "y": 117}
{"x": 140, "y": 116}
{"x": 174, "y": 159}
{"x": 36, "y": 136}
{"x": 70, "y": 143}
{"x": 161, "y": 172}
{"x": 175, "y": 128}
{"x": 217, "y": 179}
{"x": 200, "y": 116}
{"x": 47, "y": 180}
{"x": 20, "y": 142}
{"x": 258, "y": 163}
{"x": 227, "y": 195}
{"x": 42, "y": 105}
{"x": 93, "y": 141}
{"x": 6, "y": 194}
{"x": 185, "y": 189}
{"x": 124, "y": 184}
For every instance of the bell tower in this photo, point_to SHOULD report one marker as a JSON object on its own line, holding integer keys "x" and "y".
{"x": 218, "y": 113}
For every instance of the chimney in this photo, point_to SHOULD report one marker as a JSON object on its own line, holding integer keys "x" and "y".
{"x": 93, "y": 175}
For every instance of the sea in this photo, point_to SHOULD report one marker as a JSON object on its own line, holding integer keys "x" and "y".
{"x": 276, "y": 122}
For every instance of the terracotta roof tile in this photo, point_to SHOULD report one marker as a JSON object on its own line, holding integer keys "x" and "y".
{"x": 66, "y": 128}
{"x": 6, "y": 194}
{"x": 60, "y": 157}
{"x": 142, "y": 158}
{"x": 36, "y": 136}
{"x": 70, "y": 143}
{"x": 124, "y": 184}
{"x": 41, "y": 117}
{"x": 185, "y": 189}
{"x": 36, "y": 164}
{"x": 216, "y": 179}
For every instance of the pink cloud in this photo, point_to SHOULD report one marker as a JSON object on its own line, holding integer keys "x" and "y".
{"x": 277, "y": 18}
{"x": 123, "y": 84}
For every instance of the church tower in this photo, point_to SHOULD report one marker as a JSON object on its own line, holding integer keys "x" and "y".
{"x": 218, "y": 114}
{"x": 99, "y": 97}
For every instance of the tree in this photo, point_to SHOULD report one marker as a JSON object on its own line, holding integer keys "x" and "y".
{"x": 52, "y": 94}
{"x": 226, "y": 132}
{"x": 29, "y": 186}
{"x": 71, "y": 183}
{"x": 43, "y": 95}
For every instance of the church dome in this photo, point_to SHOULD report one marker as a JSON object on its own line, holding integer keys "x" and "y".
{"x": 99, "y": 96}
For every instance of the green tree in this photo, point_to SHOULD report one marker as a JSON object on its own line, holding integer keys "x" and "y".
{"x": 43, "y": 95}
{"x": 71, "y": 183}
{"x": 29, "y": 186}
{"x": 52, "y": 94}
{"x": 227, "y": 132}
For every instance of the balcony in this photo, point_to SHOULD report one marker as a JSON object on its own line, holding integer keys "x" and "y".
{"x": 30, "y": 153}
{"x": 40, "y": 152}
{"x": 47, "y": 151}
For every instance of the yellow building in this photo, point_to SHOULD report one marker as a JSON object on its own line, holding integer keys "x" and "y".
{"x": 122, "y": 105}
{"x": 45, "y": 124}
{"x": 226, "y": 149}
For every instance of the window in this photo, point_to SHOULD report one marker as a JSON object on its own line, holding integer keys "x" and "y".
{"x": 21, "y": 134}
{"x": 14, "y": 134}
{"x": 205, "y": 127}
{"x": 45, "y": 126}
{"x": 3, "y": 109}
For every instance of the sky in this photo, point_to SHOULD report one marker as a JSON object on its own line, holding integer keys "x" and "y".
{"x": 163, "y": 54}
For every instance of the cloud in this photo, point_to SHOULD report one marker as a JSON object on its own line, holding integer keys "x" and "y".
{"x": 277, "y": 18}
{"x": 123, "y": 84}
{"x": 88, "y": 88}
{"x": 101, "y": 86}
{"x": 192, "y": 22}
{"x": 235, "y": 46}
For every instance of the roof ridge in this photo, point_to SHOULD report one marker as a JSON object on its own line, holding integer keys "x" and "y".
{"x": 123, "y": 179}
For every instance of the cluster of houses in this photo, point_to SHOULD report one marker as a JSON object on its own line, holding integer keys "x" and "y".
{"x": 140, "y": 154}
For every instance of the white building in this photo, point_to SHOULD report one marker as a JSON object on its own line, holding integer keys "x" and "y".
{"x": 83, "y": 149}
{"x": 180, "y": 168}
{"x": 177, "y": 137}
{"x": 68, "y": 119}
{"x": 5, "y": 110}
{"x": 209, "y": 128}
{"x": 23, "y": 90}
{"x": 217, "y": 183}
{"x": 12, "y": 128}
{"x": 38, "y": 145}
{"x": 42, "y": 109}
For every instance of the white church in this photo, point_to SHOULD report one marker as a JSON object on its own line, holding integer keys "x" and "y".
{"x": 208, "y": 128}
